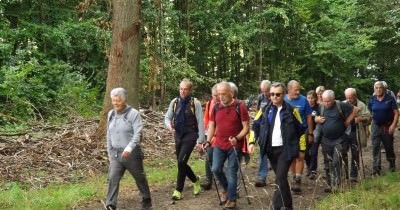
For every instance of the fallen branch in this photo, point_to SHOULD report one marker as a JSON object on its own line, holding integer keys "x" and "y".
{"x": 13, "y": 119}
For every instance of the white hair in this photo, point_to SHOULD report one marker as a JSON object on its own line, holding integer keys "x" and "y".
{"x": 351, "y": 91}
{"x": 265, "y": 83}
{"x": 234, "y": 89}
{"x": 119, "y": 91}
{"x": 380, "y": 83}
{"x": 329, "y": 93}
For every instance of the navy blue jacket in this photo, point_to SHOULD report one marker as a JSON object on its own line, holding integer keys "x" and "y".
{"x": 290, "y": 127}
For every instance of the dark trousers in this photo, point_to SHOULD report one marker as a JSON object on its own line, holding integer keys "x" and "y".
{"x": 184, "y": 147}
{"x": 208, "y": 163}
{"x": 280, "y": 164}
{"x": 380, "y": 134}
{"x": 333, "y": 151}
{"x": 355, "y": 155}
{"x": 313, "y": 152}
{"x": 118, "y": 165}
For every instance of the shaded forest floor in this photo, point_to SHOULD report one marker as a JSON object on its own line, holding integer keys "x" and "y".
{"x": 47, "y": 154}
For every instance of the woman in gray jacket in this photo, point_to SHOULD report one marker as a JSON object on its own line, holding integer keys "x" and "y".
{"x": 124, "y": 126}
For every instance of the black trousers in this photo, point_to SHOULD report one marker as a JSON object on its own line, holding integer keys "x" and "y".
{"x": 184, "y": 146}
{"x": 280, "y": 164}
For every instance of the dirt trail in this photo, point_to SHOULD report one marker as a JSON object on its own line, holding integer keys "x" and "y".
{"x": 260, "y": 197}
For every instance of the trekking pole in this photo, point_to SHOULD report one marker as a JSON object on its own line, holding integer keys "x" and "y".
{"x": 216, "y": 188}
{"x": 360, "y": 148}
{"x": 241, "y": 173}
{"x": 213, "y": 180}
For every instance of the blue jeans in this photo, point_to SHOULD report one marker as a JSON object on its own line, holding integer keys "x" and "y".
{"x": 262, "y": 167}
{"x": 228, "y": 181}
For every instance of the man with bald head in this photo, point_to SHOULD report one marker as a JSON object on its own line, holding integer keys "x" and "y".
{"x": 295, "y": 99}
{"x": 262, "y": 100}
{"x": 334, "y": 117}
{"x": 357, "y": 137}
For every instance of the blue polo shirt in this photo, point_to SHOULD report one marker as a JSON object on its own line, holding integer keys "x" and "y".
{"x": 304, "y": 107}
{"x": 382, "y": 111}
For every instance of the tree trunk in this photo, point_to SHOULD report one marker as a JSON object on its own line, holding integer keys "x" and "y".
{"x": 123, "y": 67}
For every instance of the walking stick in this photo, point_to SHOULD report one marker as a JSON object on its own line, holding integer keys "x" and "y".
{"x": 241, "y": 173}
{"x": 213, "y": 180}
{"x": 360, "y": 148}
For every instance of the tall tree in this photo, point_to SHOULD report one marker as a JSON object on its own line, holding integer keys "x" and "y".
{"x": 123, "y": 67}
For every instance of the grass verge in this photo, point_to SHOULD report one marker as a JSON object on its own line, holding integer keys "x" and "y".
{"x": 379, "y": 193}
{"x": 66, "y": 196}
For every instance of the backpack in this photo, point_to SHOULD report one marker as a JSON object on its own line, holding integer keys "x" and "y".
{"x": 339, "y": 108}
{"x": 192, "y": 108}
{"x": 125, "y": 114}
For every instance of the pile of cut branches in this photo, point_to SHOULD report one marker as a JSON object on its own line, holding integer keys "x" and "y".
{"x": 67, "y": 153}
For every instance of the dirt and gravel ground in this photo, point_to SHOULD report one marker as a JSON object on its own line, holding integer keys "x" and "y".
{"x": 312, "y": 191}
{"x": 48, "y": 154}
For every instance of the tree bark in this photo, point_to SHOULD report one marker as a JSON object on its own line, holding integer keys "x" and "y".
{"x": 123, "y": 67}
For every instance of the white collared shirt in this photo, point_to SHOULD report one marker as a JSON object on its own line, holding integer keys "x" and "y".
{"x": 277, "y": 133}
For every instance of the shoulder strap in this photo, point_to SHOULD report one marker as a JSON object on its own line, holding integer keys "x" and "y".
{"x": 193, "y": 105}
{"x": 322, "y": 107}
{"x": 339, "y": 107}
{"x": 176, "y": 100}
{"x": 127, "y": 112}
{"x": 237, "y": 109}
{"x": 111, "y": 115}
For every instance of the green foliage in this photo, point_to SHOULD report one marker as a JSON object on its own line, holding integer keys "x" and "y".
{"x": 53, "y": 197}
{"x": 49, "y": 89}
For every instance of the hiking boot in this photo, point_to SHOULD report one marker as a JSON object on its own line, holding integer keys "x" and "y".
{"x": 313, "y": 175}
{"x": 328, "y": 189}
{"x": 353, "y": 179}
{"x": 146, "y": 204}
{"x": 392, "y": 166}
{"x": 224, "y": 197}
{"x": 206, "y": 185}
{"x": 196, "y": 187}
{"x": 177, "y": 195}
{"x": 297, "y": 184}
{"x": 376, "y": 173}
{"x": 111, "y": 207}
{"x": 230, "y": 205}
{"x": 260, "y": 182}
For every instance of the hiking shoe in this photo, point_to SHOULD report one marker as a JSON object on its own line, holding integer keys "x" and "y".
{"x": 260, "y": 183}
{"x": 328, "y": 189}
{"x": 206, "y": 185}
{"x": 111, "y": 207}
{"x": 353, "y": 179}
{"x": 376, "y": 173}
{"x": 230, "y": 205}
{"x": 196, "y": 187}
{"x": 313, "y": 175}
{"x": 224, "y": 197}
{"x": 297, "y": 184}
{"x": 146, "y": 204}
{"x": 177, "y": 195}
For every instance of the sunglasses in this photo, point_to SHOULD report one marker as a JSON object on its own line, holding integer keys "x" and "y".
{"x": 275, "y": 94}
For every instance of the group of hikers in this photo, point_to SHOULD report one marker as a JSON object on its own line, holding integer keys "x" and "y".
{"x": 288, "y": 128}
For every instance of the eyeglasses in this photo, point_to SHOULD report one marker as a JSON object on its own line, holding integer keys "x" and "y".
{"x": 275, "y": 94}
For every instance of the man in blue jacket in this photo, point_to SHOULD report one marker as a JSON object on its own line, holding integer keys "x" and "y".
{"x": 278, "y": 130}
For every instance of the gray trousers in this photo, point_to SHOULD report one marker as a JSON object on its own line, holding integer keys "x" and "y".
{"x": 380, "y": 134}
{"x": 118, "y": 165}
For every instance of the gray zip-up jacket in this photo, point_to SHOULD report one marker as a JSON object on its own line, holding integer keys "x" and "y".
{"x": 124, "y": 129}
